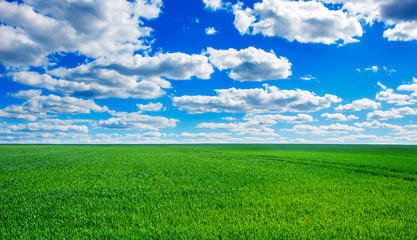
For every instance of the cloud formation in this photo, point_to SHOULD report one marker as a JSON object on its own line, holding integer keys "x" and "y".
{"x": 338, "y": 117}
{"x": 44, "y": 131}
{"x": 267, "y": 99}
{"x": 389, "y": 96}
{"x": 34, "y": 29}
{"x": 393, "y": 113}
{"x": 412, "y": 87}
{"x": 250, "y": 64}
{"x": 210, "y": 31}
{"x": 252, "y": 128}
{"x": 376, "y": 124}
{"x": 213, "y": 5}
{"x": 359, "y": 105}
{"x": 257, "y": 125}
{"x": 40, "y": 106}
{"x": 136, "y": 121}
{"x": 399, "y": 16}
{"x": 333, "y": 129}
{"x": 150, "y": 107}
{"x": 302, "y": 21}
{"x": 122, "y": 77}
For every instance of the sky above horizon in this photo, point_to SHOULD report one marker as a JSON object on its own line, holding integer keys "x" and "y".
{"x": 208, "y": 71}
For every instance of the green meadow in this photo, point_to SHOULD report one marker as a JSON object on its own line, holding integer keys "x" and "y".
{"x": 208, "y": 192}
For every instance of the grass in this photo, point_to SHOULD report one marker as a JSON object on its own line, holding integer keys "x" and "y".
{"x": 208, "y": 192}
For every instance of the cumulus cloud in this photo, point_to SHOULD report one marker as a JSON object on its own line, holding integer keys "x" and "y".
{"x": 303, "y": 21}
{"x": 333, "y": 129}
{"x": 205, "y": 135}
{"x": 405, "y": 31}
{"x": 338, "y": 117}
{"x": 151, "y": 107}
{"x": 389, "y": 96}
{"x": 176, "y": 66}
{"x": 393, "y": 113}
{"x": 146, "y": 137}
{"x": 376, "y": 124}
{"x": 32, "y": 30}
{"x": 47, "y": 126}
{"x": 210, "y": 31}
{"x": 136, "y": 121}
{"x": 250, "y": 64}
{"x": 253, "y": 128}
{"x": 268, "y": 99}
{"x": 276, "y": 118}
{"x": 122, "y": 77}
{"x": 43, "y": 131}
{"x": 95, "y": 84}
{"x": 359, "y": 105}
{"x": 257, "y": 125}
{"x": 399, "y": 16}
{"x": 354, "y": 138}
{"x": 110, "y": 34}
{"x": 409, "y": 87}
{"x": 213, "y": 5}
{"x": 38, "y": 106}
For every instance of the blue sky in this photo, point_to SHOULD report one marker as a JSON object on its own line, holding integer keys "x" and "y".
{"x": 216, "y": 71}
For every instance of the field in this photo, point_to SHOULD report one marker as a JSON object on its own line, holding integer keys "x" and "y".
{"x": 208, "y": 192}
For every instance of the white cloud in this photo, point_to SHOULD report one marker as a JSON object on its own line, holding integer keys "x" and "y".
{"x": 275, "y": 118}
{"x": 176, "y": 66}
{"x": 373, "y": 69}
{"x": 32, "y": 30}
{"x": 121, "y": 77}
{"x": 47, "y": 127}
{"x": 205, "y": 135}
{"x": 308, "y": 78}
{"x": 376, "y": 69}
{"x": 376, "y": 124}
{"x": 228, "y": 118}
{"x": 136, "y": 121}
{"x": 354, "y": 138}
{"x": 404, "y": 31}
{"x": 151, "y": 107}
{"x": 338, "y": 117}
{"x": 210, "y": 31}
{"x": 95, "y": 84}
{"x": 258, "y": 125}
{"x": 213, "y": 5}
{"x": 250, "y": 64}
{"x": 146, "y": 137}
{"x": 359, "y": 105}
{"x": 389, "y": 96}
{"x": 382, "y": 85}
{"x": 252, "y": 128}
{"x": 399, "y": 16}
{"x": 269, "y": 99}
{"x": 393, "y": 113}
{"x": 332, "y": 129}
{"x": 38, "y": 106}
{"x": 409, "y": 87}
{"x": 303, "y": 21}
{"x": 43, "y": 131}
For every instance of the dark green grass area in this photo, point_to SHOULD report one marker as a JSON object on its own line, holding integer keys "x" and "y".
{"x": 208, "y": 192}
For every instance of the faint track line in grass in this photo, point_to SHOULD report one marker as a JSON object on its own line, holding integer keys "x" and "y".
{"x": 385, "y": 172}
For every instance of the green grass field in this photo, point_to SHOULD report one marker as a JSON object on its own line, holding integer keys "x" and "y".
{"x": 208, "y": 192}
